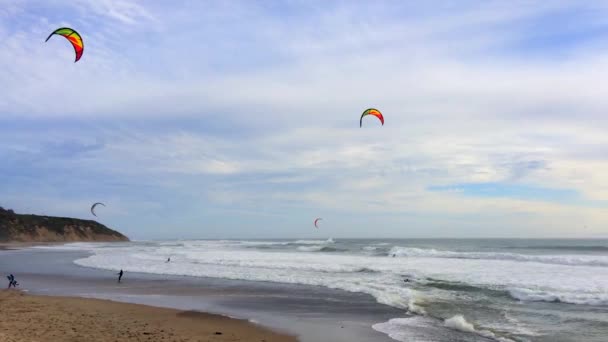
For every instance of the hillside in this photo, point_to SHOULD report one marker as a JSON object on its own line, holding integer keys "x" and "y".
{"x": 34, "y": 228}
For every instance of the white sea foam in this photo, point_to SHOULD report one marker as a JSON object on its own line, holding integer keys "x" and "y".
{"x": 378, "y": 276}
{"x": 288, "y": 267}
{"x": 579, "y": 296}
{"x": 264, "y": 243}
{"x": 414, "y": 308}
{"x": 423, "y": 329}
{"x": 314, "y": 242}
{"x": 405, "y": 329}
{"x": 459, "y": 323}
{"x": 512, "y": 325}
{"x": 313, "y": 248}
{"x": 573, "y": 260}
{"x": 305, "y": 262}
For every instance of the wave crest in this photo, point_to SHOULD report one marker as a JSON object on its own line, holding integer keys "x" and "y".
{"x": 313, "y": 242}
{"x": 319, "y": 248}
{"x": 459, "y": 323}
{"x": 529, "y": 295}
{"x": 570, "y": 260}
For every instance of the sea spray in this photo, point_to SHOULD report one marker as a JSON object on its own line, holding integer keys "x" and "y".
{"x": 458, "y": 322}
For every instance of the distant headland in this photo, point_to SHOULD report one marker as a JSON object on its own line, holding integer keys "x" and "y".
{"x": 33, "y": 228}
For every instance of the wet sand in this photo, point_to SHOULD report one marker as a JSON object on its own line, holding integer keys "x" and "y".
{"x": 28, "y": 318}
{"x": 18, "y": 245}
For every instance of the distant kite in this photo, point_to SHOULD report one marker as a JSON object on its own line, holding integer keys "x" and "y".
{"x": 73, "y": 37}
{"x": 374, "y": 112}
{"x": 317, "y": 220}
{"x": 93, "y": 207}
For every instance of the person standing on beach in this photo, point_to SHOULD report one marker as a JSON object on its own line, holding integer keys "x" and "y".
{"x": 119, "y": 275}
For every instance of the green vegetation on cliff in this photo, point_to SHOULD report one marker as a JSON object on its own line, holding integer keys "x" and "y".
{"x": 34, "y": 228}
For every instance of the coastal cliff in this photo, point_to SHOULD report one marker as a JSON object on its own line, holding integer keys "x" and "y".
{"x": 34, "y": 228}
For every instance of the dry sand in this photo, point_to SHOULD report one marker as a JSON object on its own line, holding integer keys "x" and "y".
{"x": 27, "y": 318}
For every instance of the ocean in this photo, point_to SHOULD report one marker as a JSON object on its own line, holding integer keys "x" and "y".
{"x": 489, "y": 289}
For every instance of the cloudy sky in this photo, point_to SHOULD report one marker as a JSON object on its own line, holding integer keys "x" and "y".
{"x": 240, "y": 119}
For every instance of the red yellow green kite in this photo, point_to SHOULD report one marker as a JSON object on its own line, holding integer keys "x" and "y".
{"x": 374, "y": 112}
{"x": 73, "y": 37}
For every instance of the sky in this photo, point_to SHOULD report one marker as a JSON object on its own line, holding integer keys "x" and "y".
{"x": 240, "y": 119}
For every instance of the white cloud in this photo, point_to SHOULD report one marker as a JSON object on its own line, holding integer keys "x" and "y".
{"x": 127, "y": 12}
{"x": 460, "y": 106}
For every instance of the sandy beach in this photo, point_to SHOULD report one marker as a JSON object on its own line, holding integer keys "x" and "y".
{"x": 29, "y": 318}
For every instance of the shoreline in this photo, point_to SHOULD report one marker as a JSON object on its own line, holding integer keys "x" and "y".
{"x": 298, "y": 310}
{"x": 57, "y": 318}
{"x": 7, "y": 246}
{"x": 346, "y": 294}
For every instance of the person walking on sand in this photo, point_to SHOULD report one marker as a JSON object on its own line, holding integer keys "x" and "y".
{"x": 119, "y": 275}
{"x": 11, "y": 281}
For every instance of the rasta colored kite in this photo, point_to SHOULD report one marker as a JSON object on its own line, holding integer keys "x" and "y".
{"x": 374, "y": 112}
{"x": 93, "y": 207}
{"x": 73, "y": 37}
{"x": 317, "y": 220}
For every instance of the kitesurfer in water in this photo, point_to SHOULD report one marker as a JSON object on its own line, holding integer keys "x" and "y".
{"x": 120, "y": 275}
{"x": 169, "y": 259}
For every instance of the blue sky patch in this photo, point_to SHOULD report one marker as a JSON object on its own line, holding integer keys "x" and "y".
{"x": 506, "y": 190}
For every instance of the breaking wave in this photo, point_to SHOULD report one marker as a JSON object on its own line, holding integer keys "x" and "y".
{"x": 582, "y": 298}
{"x": 459, "y": 323}
{"x": 319, "y": 248}
{"x": 570, "y": 260}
